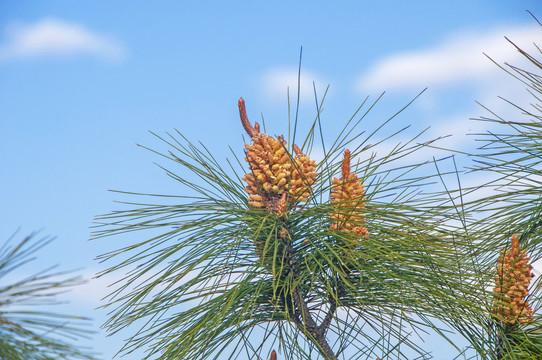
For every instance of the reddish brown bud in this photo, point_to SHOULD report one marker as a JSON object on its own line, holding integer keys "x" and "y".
{"x": 346, "y": 164}
{"x": 252, "y": 132}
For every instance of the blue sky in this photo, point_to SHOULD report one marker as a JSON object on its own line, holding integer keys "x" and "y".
{"x": 82, "y": 82}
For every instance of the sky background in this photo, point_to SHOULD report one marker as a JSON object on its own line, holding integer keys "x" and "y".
{"x": 82, "y": 82}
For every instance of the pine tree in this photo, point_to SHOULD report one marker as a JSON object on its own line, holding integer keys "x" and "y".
{"x": 353, "y": 256}
{"x": 27, "y": 331}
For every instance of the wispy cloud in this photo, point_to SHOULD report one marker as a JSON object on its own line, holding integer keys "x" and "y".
{"x": 458, "y": 58}
{"x": 277, "y": 81}
{"x": 52, "y": 37}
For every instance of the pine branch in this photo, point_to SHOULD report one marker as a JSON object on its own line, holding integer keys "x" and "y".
{"x": 308, "y": 326}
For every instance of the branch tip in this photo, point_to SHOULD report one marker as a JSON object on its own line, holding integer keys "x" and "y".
{"x": 252, "y": 132}
{"x": 346, "y": 163}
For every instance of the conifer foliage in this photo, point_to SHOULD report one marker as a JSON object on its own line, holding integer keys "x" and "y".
{"x": 27, "y": 330}
{"x": 276, "y": 254}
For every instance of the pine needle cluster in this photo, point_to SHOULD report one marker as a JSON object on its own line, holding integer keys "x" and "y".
{"x": 27, "y": 330}
{"x": 353, "y": 256}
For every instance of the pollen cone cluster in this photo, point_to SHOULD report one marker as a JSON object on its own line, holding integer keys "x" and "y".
{"x": 348, "y": 195}
{"x": 277, "y": 179}
{"x": 511, "y": 285}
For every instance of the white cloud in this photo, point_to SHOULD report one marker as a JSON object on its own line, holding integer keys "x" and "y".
{"x": 51, "y": 37}
{"x": 459, "y": 58}
{"x": 277, "y": 81}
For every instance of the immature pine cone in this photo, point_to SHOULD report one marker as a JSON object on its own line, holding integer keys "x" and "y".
{"x": 276, "y": 180}
{"x": 511, "y": 285}
{"x": 349, "y": 196}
